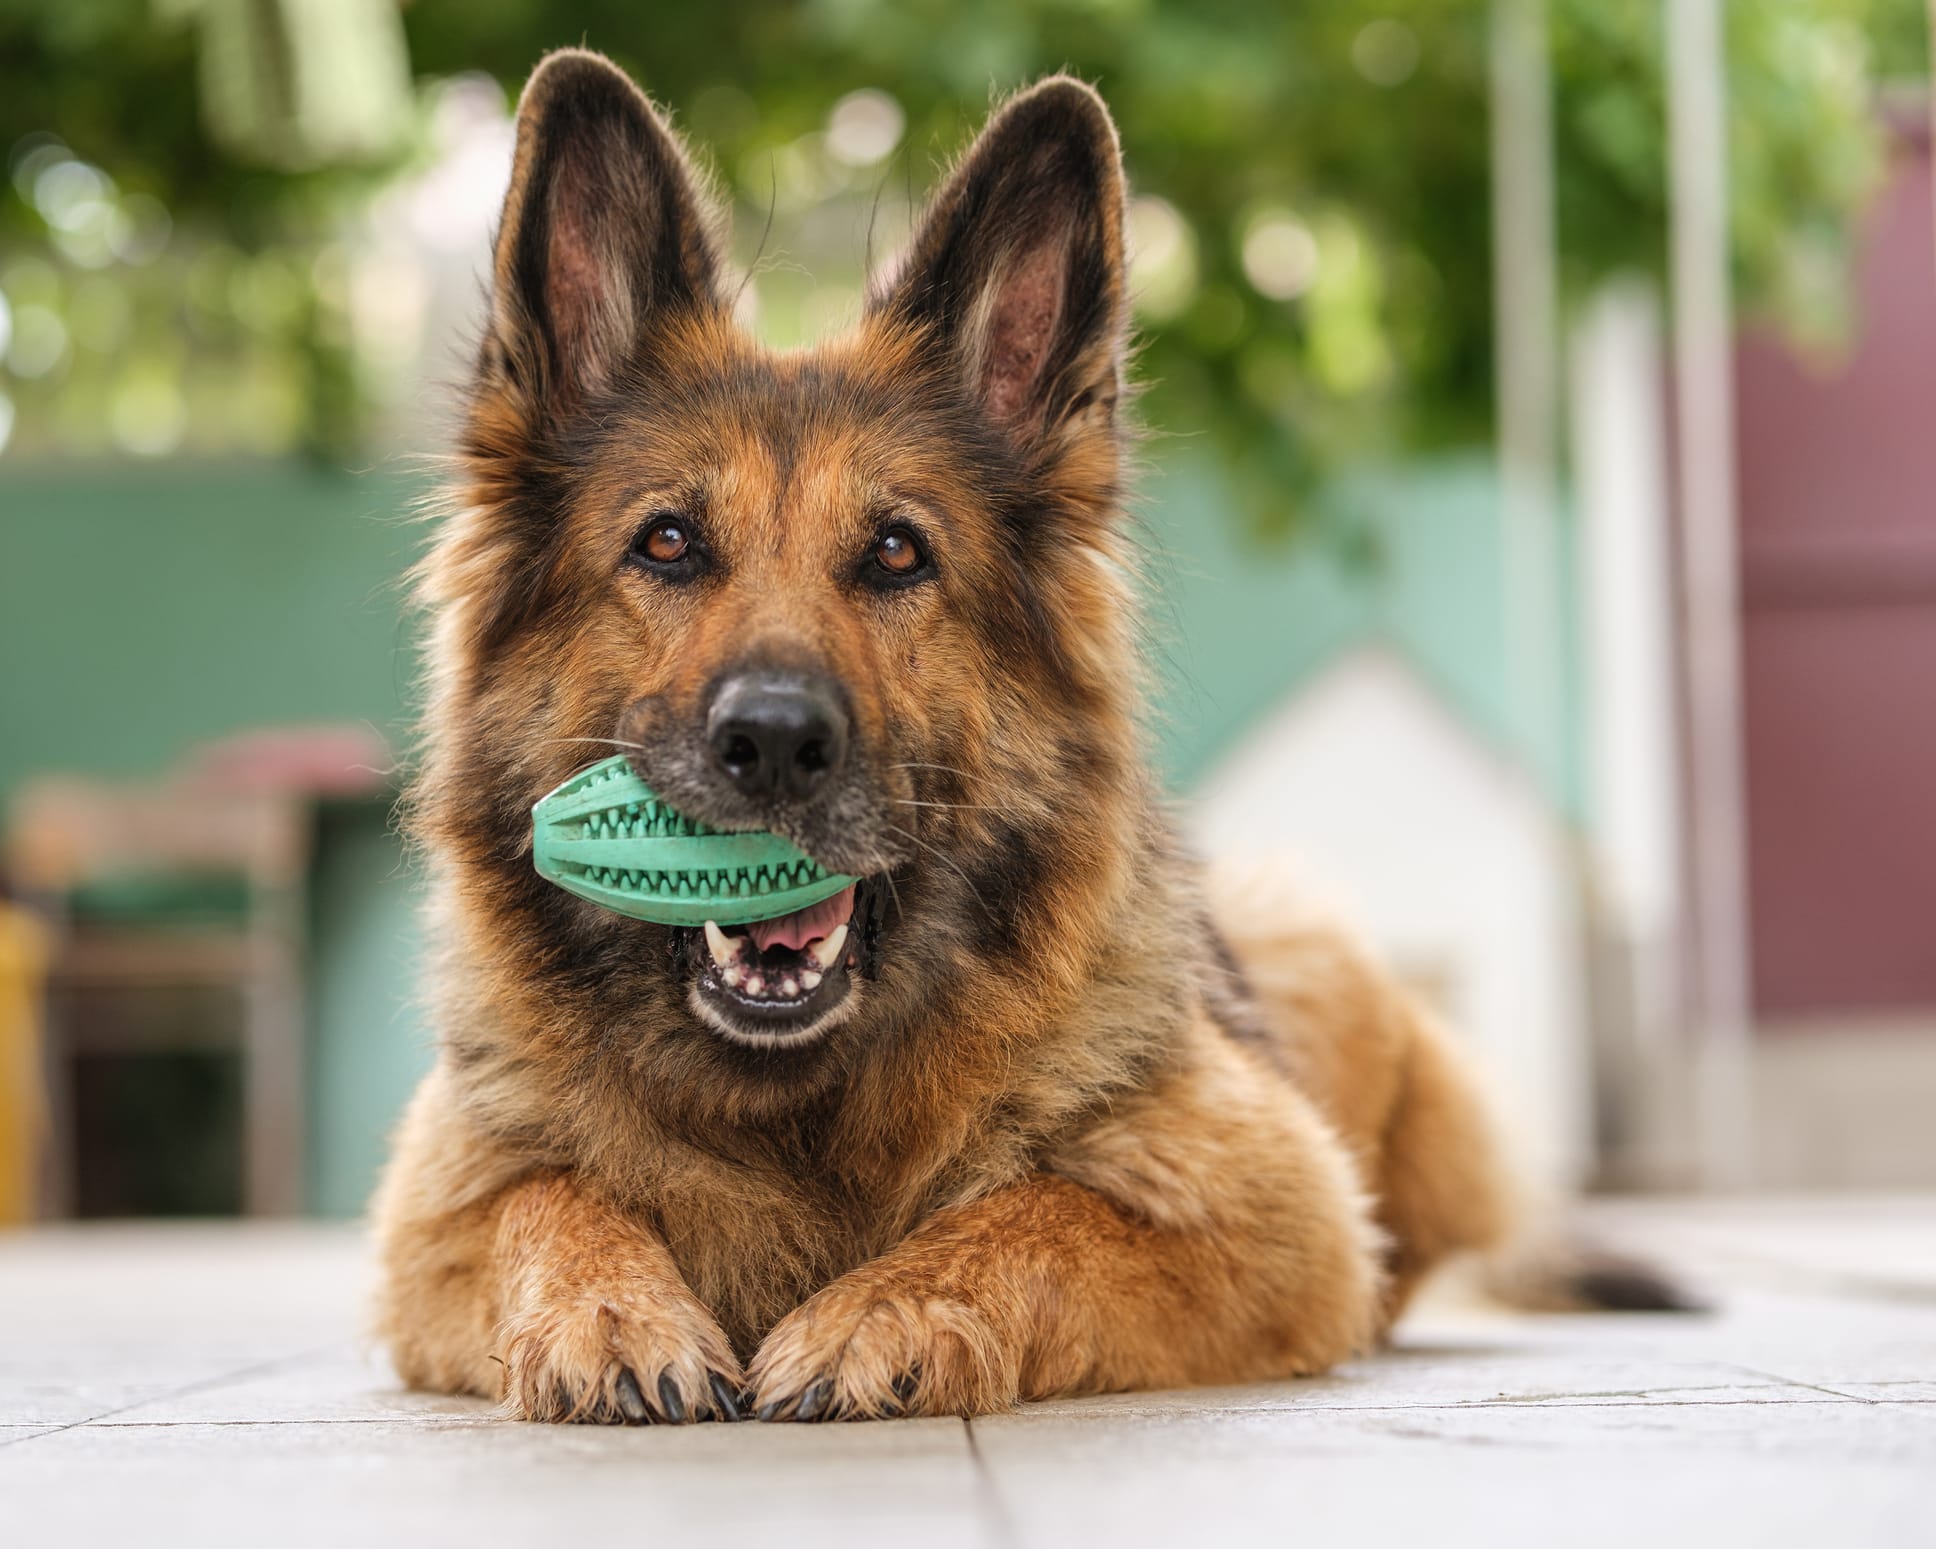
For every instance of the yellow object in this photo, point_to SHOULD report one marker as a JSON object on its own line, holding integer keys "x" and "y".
{"x": 23, "y": 1108}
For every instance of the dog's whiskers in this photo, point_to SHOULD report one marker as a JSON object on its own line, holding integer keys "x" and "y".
{"x": 944, "y": 768}
{"x": 949, "y": 861}
{"x": 609, "y": 742}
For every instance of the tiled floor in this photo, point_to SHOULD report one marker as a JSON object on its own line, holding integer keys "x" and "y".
{"x": 206, "y": 1385}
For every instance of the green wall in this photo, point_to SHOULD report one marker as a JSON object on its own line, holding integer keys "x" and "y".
{"x": 369, "y": 1043}
{"x": 144, "y": 609}
{"x": 1408, "y": 556}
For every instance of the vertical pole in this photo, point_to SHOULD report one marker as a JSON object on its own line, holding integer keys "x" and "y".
{"x": 1711, "y": 641}
{"x": 1626, "y": 588}
{"x": 1526, "y": 352}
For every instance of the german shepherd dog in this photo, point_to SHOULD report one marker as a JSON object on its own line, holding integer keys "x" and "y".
{"x": 1016, "y": 1115}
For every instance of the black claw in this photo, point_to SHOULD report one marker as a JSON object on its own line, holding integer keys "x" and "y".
{"x": 724, "y": 1399}
{"x": 772, "y": 1411}
{"x": 904, "y": 1386}
{"x": 631, "y": 1401}
{"x": 669, "y": 1400}
{"x": 816, "y": 1401}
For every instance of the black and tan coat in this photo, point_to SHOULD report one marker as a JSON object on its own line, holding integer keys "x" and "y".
{"x": 1055, "y": 1131}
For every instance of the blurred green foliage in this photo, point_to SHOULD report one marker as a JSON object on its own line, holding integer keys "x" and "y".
{"x": 1313, "y": 217}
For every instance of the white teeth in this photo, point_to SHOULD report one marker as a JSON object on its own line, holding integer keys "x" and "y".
{"x": 737, "y": 973}
{"x": 826, "y": 951}
{"x": 724, "y": 949}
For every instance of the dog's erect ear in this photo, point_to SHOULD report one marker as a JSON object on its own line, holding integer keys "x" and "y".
{"x": 604, "y": 231}
{"x": 1017, "y": 267}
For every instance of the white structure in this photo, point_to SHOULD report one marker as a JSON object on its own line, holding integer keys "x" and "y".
{"x": 1625, "y": 587}
{"x": 1445, "y": 855}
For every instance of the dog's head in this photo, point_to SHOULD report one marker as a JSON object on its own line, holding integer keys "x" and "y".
{"x": 870, "y": 595}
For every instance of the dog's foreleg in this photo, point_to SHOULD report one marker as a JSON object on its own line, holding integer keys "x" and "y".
{"x": 1211, "y": 1230}
{"x": 538, "y": 1293}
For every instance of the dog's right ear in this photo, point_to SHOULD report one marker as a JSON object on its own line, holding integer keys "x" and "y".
{"x": 604, "y": 237}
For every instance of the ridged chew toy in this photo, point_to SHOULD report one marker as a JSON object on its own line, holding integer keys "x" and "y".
{"x": 605, "y": 836}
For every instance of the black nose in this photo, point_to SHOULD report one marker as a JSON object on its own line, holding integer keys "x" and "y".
{"x": 777, "y": 733}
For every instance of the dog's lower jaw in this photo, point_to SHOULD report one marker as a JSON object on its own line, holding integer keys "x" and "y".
{"x": 778, "y": 1038}
{"x": 765, "y": 986}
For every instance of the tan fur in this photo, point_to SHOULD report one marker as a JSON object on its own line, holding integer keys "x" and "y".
{"x": 1398, "y": 1090}
{"x": 1058, "y": 1145}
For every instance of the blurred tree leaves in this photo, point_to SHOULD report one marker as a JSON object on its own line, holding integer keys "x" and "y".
{"x": 1317, "y": 173}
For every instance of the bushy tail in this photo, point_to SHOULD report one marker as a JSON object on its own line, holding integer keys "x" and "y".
{"x": 1403, "y": 1095}
{"x": 1559, "y": 1270}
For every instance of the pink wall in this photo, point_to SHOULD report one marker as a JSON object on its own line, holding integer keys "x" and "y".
{"x": 1838, "y": 516}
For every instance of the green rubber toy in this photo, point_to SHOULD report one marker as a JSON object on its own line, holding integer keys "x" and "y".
{"x": 604, "y": 836}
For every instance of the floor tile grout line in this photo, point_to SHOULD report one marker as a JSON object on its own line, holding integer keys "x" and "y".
{"x": 993, "y": 1503}
{"x": 988, "y": 1487}
{"x": 1796, "y": 1382}
{"x": 111, "y": 1419}
{"x": 458, "y": 1421}
{"x": 1650, "y": 1395}
{"x": 206, "y": 1384}
{"x": 1469, "y": 1406}
{"x": 407, "y": 1421}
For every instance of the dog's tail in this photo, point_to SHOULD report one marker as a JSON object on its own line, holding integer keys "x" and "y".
{"x": 1561, "y": 1268}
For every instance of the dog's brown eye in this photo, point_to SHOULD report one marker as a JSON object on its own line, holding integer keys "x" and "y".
{"x": 664, "y": 542}
{"x": 897, "y": 553}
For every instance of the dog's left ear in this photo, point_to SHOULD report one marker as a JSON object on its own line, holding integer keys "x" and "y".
{"x": 1016, "y": 270}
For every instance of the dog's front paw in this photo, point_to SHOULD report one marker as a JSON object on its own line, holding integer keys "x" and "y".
{"x": 869, "y": 1347}
{"x": 618, "y": 1360}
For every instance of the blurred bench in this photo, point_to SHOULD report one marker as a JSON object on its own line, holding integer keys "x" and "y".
{"x": 157, "y": 888}
{"x": 195, "y": 883}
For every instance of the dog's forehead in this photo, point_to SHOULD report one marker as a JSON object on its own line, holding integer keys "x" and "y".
{"x": 792, "y": 436}
{"x": 801, "y": 480}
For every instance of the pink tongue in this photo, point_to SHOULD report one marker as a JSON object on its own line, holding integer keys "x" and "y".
{"x": 804, "y": 926}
